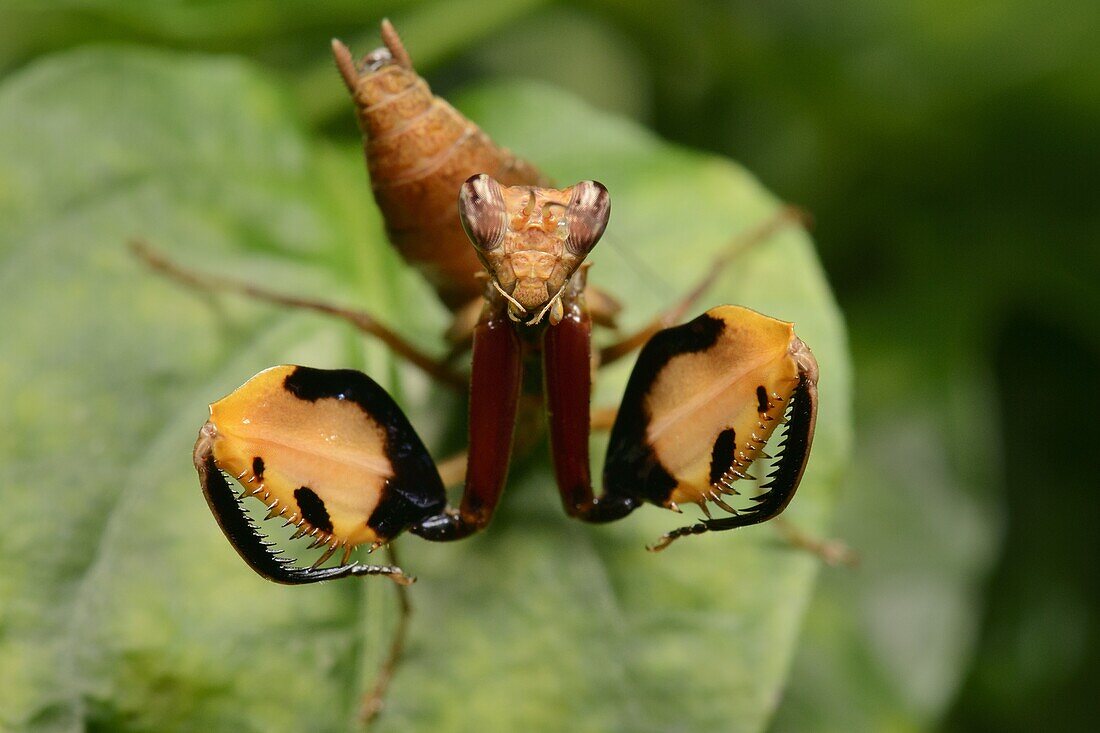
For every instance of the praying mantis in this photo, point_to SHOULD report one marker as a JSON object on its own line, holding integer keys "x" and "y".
{"x": 330, "y": 453}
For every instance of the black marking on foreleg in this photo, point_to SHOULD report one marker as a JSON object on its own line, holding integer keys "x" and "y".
{"x": 313, "y": 509}
{"x": 721, "y": 457}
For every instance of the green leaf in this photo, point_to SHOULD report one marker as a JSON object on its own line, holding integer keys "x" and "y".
{"x": 886, "y": 648}
{"x": 121, "y": 605}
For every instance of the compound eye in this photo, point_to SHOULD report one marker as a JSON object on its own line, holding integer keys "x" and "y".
{"x": 587, "y": 213}
{"x": 481, "y": 209}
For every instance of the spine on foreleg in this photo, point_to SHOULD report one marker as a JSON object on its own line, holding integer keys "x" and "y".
{"x": 419, "y": 151}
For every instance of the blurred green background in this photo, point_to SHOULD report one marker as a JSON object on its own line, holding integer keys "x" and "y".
{"x": 950, "y": 155}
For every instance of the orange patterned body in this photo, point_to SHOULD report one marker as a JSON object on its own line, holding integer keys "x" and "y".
{"x": 419, "y": 151}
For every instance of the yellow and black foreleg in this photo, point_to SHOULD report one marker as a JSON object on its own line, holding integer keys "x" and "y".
{"x": 702, "y": 401}
{"x": 329, "y": 453}
{"x": 250, "y": 544}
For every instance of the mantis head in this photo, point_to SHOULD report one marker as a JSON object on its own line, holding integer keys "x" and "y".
{"x": 531, "y": 240}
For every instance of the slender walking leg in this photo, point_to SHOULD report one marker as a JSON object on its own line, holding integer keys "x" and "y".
{"x": 831, "y": 551}
{"x": 365, "y": 322}
{"x": 742, "y": 242}
{"x": 374, "y": 699}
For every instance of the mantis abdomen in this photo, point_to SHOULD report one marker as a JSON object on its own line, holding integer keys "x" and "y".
{"x": 419, "y": 151}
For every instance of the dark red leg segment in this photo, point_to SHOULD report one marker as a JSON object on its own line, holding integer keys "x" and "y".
{"x": 495, "y": 381}
{"x": 567, "y": 368}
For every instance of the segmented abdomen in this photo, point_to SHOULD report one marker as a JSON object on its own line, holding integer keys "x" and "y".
{"x": 419, "y": 150}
